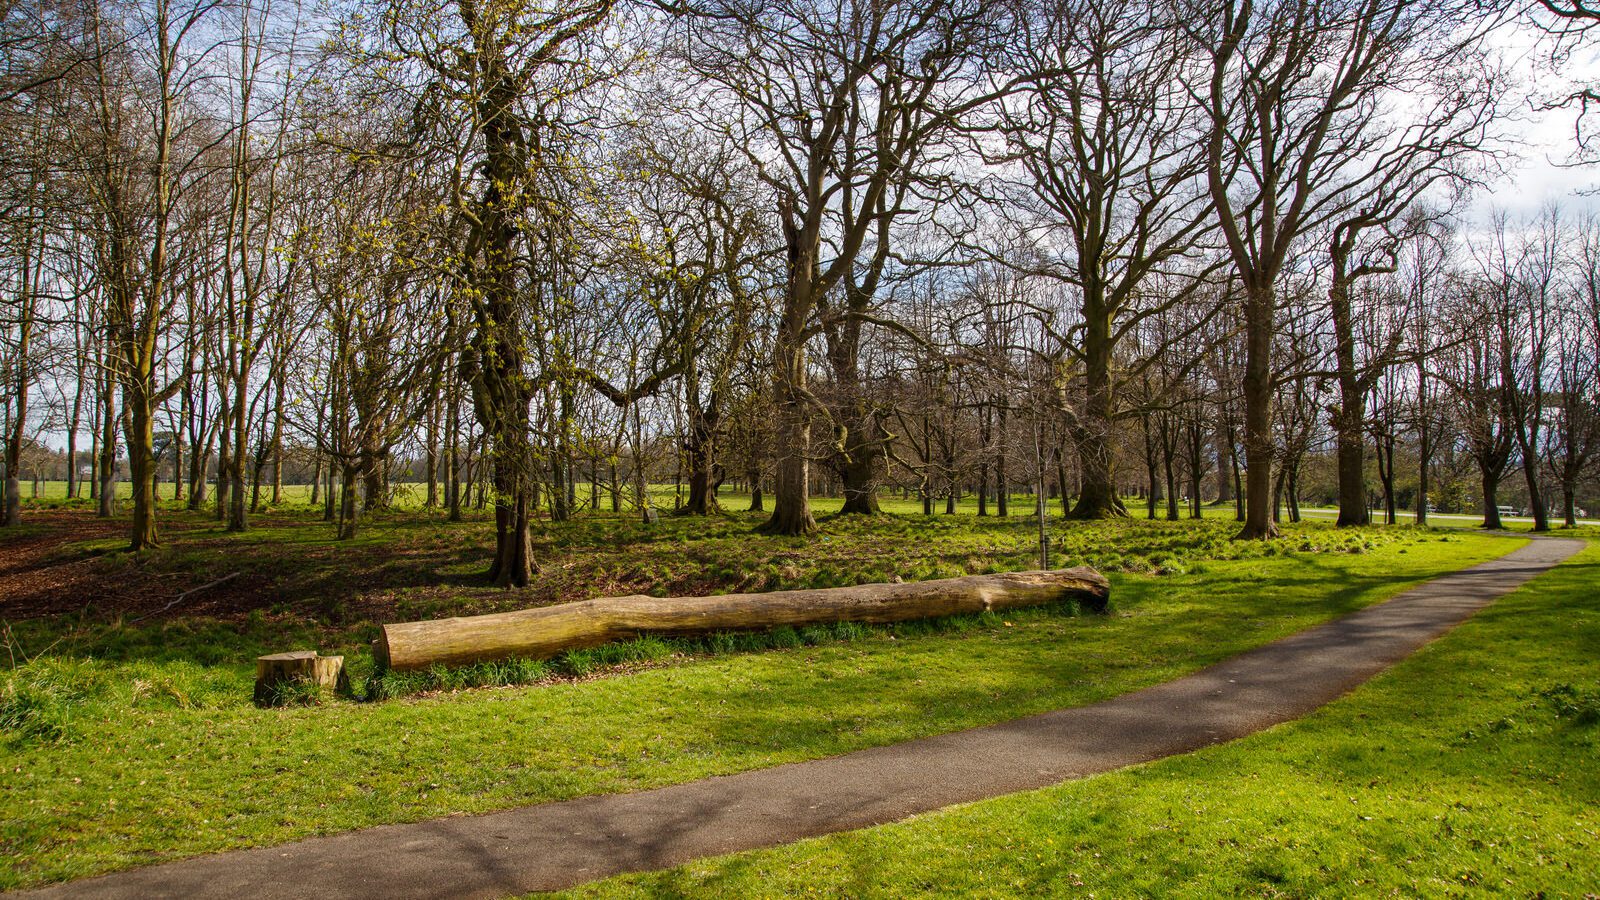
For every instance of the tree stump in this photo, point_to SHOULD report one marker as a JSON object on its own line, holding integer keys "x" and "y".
{"x": 281, "y": 676}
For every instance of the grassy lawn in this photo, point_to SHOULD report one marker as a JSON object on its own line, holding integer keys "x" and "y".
{"x": 1472, "y": 768}
{"x": 147, "y": 747}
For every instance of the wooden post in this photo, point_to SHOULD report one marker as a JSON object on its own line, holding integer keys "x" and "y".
{"x": 276, "y": 672}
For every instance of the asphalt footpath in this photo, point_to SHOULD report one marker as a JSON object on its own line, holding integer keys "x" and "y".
{"x": 556, "y": 845}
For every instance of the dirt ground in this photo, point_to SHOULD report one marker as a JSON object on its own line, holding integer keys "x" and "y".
{"x": 40, "y": 576}
{"x": 67, "y": 561}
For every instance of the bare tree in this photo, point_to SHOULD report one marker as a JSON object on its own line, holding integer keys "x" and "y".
{"x": 1517, "y": 275}
{"x": 1304, "y": 133}
{"x": 142, "y": 147}
{"x": 842, "y": 108}
{"x": 494, "y": 84}
{"x": 1574, "y": 436}
{"x": 1107, "y": 140}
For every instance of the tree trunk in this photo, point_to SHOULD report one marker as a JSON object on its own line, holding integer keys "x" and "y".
{"x": 1098, "y": 498}
{"x": 1002, "y": 490}
{"x": 1061, "y": 482}
{"x": 240, "y": 426}
{"x": 348, "y": 473}
{"x": 546, "y": 631}
{"x": 1093, "y": 433}
{"x": 1196, "y": 468}
{"x": 142, "y": 467}
{"x": 1491, "y": 502}
{"x": 108, "y": 451}
{"x": 373, "y": 494}
{"x": 1277, "y": 494}
{"x": 13, "y": 498}
{"x": 329, "y": 499}
{"x": 1167, "y": 453}
{"x": 1224, "y": 467}
{"x": 1258, "y": 450}
{"x": 452, "y": 455}
{"x": 28, "y": 280}
{"x": 1424, "y": 456}
{"x": 13, "y": 460}
{"x": 791, "y": 489}
{"x": 73, "y": 487}
{"x": 1536, "y": 504}
{"x": 791, "y": 500}
{"x": 983, "y": 489}
{"x": 859, "y": 463}
{"x": 72, "y": 460}
{"x": 199, "y": 461}
{"x": 1351, "y": 462}
{"x": 432, "y": 474}
{"x": 1293, "y": 482}
{"x": 1385, "y": 453}
{"x": 177, "y": 460}
{"x": 1349, "y": 419}
{"x": 754, "y": 477}
{"x": 224, "y": 466}
{"x": 257, "y": 469}
{"x": 1237, "y": 478}
{"x": 860, "y": 470}
{"x": 513, "y": 558}
{"x": 698, "y": 450}
{"x": 277, "y": 446}
{"x": 1152, "y": 463}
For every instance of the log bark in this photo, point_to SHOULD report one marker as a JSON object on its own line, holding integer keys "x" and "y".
{"x": 277, "y": 671}
{"x": 546, "y": 631}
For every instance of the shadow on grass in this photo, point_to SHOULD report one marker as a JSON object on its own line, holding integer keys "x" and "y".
{"x": 1041, "y": 677}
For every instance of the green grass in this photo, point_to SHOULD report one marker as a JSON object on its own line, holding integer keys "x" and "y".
{"x": 1472, "y": 768}
{"x": 159, "y": 754}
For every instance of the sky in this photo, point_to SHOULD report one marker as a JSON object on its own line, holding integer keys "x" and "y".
{"x": 1542, "y": 176}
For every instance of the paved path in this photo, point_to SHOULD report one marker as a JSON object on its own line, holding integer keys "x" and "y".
{"x": 557, "y": 845}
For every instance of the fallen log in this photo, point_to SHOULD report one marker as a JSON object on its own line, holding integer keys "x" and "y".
{"x": 546, "y": 631}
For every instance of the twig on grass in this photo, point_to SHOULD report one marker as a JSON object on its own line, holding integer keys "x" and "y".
{"x": 179, "y": 599}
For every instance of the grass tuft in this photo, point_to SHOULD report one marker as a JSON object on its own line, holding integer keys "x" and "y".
{"x": 40, "y": 700}
{"x": 1579, "y": 705}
